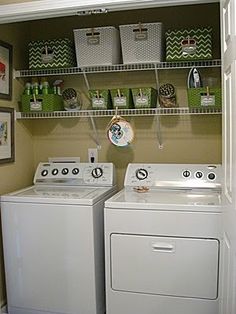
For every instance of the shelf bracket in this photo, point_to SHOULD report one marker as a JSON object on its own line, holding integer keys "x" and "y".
{"x": 86, "y": 80}
{"x": 158, "y": 122}
{"x": 159, "y": 135}
{"x": 16, "y": 74}
{"x": 95, "y": 133}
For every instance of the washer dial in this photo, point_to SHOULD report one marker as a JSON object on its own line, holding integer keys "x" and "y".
{"x": 54, "y": 171}
{"x": 44, "y": 173}
{"x": 65, "y": 171}
{"x": 75, "y": 171}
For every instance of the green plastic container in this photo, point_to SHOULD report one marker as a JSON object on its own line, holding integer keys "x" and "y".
{"x": 122, "y": 98}
{"x": 144, "y": 97}
{"x": 205, "y": 98}
{"x": 44, "y": 103}
{"x": 100, "y": 99}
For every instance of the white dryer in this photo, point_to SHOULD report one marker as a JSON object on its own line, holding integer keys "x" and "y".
{"x": 162, "y": 240}
{"x": 53, "y": 240}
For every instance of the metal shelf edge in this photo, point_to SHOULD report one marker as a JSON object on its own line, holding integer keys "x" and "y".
{"x": 122, "y": 112}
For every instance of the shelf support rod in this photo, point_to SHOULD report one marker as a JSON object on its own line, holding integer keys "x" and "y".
{"x": 158, "y": 122}
{"x": 95, "y": 133}
{"x": 86, "y": 80}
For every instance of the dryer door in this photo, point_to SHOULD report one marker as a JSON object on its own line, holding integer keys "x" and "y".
{"x": 184, "y": 267}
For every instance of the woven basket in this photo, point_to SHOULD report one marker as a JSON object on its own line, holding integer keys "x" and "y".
{"x": 141, "y": 43}
{"x": 97, "y": 46}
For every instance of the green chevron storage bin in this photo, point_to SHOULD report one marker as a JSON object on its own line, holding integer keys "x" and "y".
{"x": 43, "y": 103}
{"x": 204, "y": 97}
{"x": 100, "y": 99}
{"x": 121, "y": 98}
{"x": 144, "y": 97}
{"x": 189, "y": 44}
{"x": 51, "y": 53}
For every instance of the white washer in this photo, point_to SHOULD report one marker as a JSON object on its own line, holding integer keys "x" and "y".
{"x": 53, "y": 240}
{"x": 162, "y": 240}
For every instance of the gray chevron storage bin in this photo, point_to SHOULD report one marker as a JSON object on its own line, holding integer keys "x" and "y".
{"x": 142, "y": 42}
{"x": 97, "y": 46}
{"x": 189, "y": 44}
{"x": 51, "y": 53}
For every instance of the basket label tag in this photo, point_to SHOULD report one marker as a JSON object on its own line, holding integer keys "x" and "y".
{"x": 47, "y": 55}
{"x": 207, "y": 100}
{"x": 120, "y": 101}
{"x": 93, "y": 40}
{"x": 143, "y": 35}
{"x": 36, "y": 105}
{"x": 98, "y": 102}
{"x": 189, "y": 46}
{"x": 141, "y": 100}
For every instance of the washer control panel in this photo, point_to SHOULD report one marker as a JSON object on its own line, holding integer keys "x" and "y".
{"x": 99, "y": 174}
{"x": 174, "y": 175}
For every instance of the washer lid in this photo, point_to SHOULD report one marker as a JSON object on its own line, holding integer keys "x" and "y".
{"x": 59, "y": 194}
{"x": 181, "y": 200}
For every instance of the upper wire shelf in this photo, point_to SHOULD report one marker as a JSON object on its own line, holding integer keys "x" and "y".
{"x": 121, "y": 112}
{"x": 119, "y": 68}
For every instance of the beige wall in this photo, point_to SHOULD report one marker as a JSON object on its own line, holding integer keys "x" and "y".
{"x": 186, "y": 139}
{"x": 18, "y": 174}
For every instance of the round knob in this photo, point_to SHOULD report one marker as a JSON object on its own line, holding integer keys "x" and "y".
{"x": 211, "y": 176}
{"x": 65, "y": 171}
{"x": 186, "y": 173}
{"x": 75, "y": 171}
{"x": 198, "y": 174}
{"x": 97, "y": 172}
{"x": 44, "y": 173}
{"x": 141, "y": 174}
{"x": 54, "y": 171}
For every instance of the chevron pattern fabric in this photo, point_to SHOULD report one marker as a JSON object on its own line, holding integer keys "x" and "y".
{"x": 54, "y": 53}
{"x": 189, "y": 44}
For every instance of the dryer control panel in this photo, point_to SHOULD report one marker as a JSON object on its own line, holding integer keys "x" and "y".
{"x": 74, "y": 173}
{"x": 174, "y": 175}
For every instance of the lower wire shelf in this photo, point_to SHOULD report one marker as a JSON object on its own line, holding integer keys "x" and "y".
{"x": 121, "y": 112}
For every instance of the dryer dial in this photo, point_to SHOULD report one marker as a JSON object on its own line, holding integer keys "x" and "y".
{"x": 97, "y": 172}
{"x": 141, "y": 174}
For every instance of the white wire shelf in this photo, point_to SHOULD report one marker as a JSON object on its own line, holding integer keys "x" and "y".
{"x": 120, "y": 112}
{"x": 119, "y": 68}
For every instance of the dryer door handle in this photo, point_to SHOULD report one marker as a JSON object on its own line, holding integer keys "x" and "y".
{"x": 163, "y": 247}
